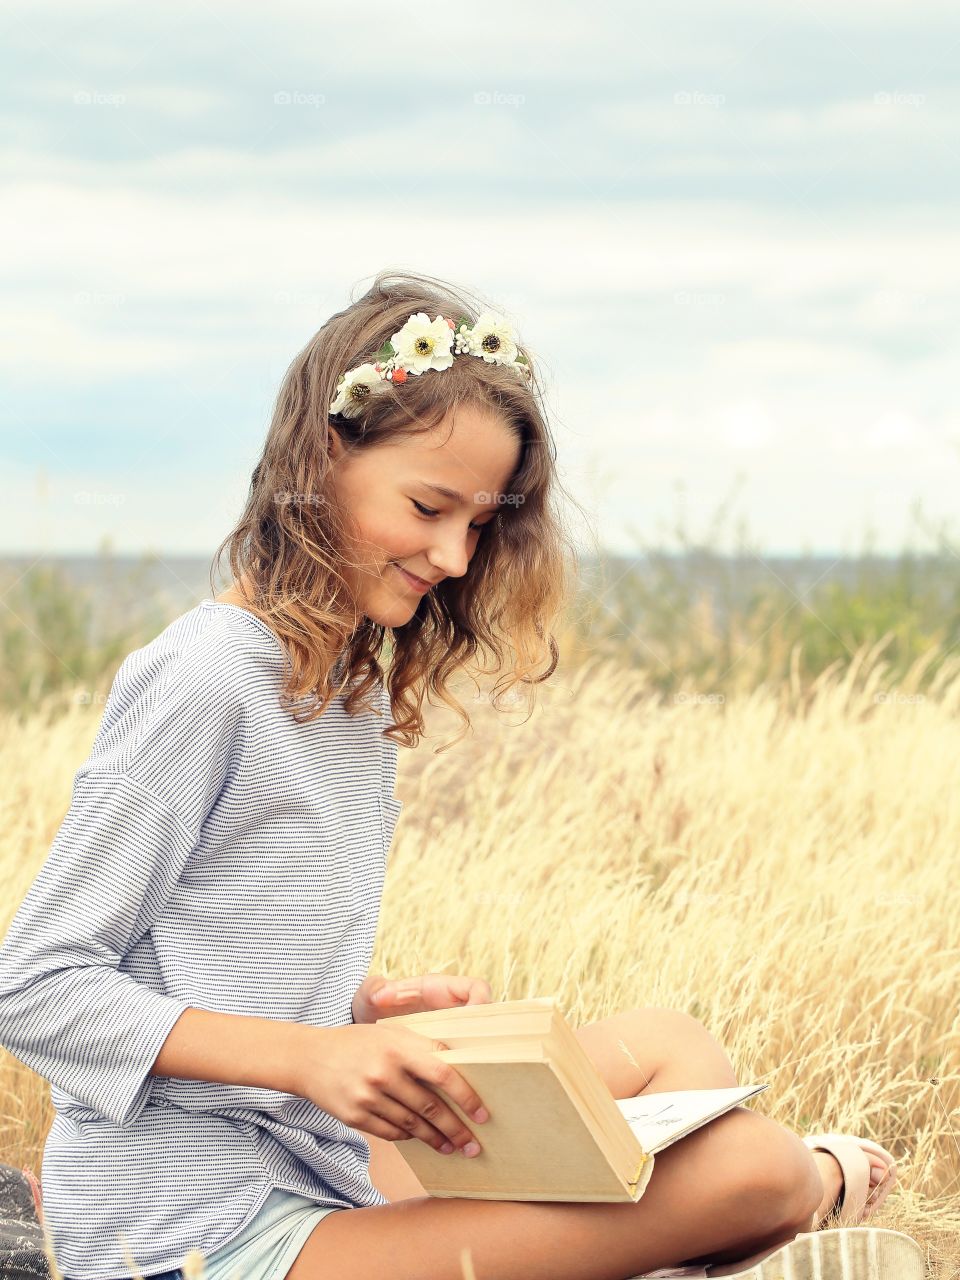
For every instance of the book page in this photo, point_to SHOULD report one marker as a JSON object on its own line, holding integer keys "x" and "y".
{"x": 658, "y": 1119}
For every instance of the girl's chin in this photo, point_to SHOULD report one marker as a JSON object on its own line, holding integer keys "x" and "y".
{"x": 391, "y": 611}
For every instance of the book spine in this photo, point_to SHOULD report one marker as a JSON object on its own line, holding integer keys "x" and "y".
{"x": 640, "y": 1167}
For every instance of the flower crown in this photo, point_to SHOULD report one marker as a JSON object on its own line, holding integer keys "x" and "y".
{"x": 424, "y": 344}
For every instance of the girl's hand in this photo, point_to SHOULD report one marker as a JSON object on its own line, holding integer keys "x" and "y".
{"x": 378, "y": 997}
{"x": 384, "y": 1080}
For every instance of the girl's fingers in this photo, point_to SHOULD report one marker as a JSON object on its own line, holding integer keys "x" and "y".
{"x": 408, "y": 985}
{"x": 397, "y": 1001}
{"x": 407, "y": 1121}
{"x": 406, "y": 1112}
{"x": 394, "y": 992}
{"x": 380, "y": 1128}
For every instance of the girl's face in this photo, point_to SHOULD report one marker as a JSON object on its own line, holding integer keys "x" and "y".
{"x": 404, "y": 527}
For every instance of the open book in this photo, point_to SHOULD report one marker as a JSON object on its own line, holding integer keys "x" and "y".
{"x": 555, "y": 1130}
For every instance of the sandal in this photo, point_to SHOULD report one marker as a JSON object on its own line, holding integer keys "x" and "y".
{"x": 844, "y": 1253}
{"x": 859, "y": 1198}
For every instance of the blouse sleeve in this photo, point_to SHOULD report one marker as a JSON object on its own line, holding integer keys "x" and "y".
{"x": 66, "y": 1010}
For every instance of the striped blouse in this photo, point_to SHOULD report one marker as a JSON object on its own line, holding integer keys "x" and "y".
{"x": 215, "y": 855}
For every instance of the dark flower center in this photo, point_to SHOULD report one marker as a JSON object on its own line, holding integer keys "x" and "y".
{"x": 490, "y": 342}
{"x": 423, "y": 346}
{"x": 360, "y": 390}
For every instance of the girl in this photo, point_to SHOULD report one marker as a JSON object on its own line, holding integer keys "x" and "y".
{"x": 189, "y": 969}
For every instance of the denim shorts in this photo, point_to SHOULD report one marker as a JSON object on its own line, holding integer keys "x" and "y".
{"x": 268, "y": 1245}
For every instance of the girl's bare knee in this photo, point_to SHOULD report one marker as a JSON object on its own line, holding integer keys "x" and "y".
{"x": 677, "y": 1019}
{"x": 809, "y": 1186}
{"x": 781, "y": 1178}
{"x": 656, "y": 1022}
{"x": 690, "y": 1049}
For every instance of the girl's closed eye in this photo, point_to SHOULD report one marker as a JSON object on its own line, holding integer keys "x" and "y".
{"x": 428, "y": 512}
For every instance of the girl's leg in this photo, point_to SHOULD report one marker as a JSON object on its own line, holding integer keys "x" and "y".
{"x": 696, "y": 1204}
{"x": 738, "y": 1185}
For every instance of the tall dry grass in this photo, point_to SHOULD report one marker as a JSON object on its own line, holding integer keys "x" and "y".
{"x": 781, "y": 863}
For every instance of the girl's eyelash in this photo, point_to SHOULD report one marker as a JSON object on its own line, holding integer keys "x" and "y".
{"x": 427, "y": 512}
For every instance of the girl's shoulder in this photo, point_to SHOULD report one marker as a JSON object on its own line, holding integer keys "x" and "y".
{"x": 210, "y": 646}
{"x": 194, "y": 679}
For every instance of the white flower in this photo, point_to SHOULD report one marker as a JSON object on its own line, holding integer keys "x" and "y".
{"x": 423, "y": 344}
{"x": 355, "y": 389}
{"x": 493, "y": 338}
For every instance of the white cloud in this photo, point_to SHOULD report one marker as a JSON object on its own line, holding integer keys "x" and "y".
{"x": 766, "y": 359}
{"x": 807, "y": 465}
{"x": 77, "y": 341}
{"x": 179, "y": 101}
{"x": 745, "y": 424}
{"x": 179, "y": 510}
{"x": 182, "y": 244}
{"x": 894, "y": 430}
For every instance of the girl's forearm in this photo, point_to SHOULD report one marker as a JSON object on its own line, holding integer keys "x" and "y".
{"x": 232, "y": 1048}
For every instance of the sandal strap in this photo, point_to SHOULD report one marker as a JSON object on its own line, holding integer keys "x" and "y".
{"x": 855, "y": 1168}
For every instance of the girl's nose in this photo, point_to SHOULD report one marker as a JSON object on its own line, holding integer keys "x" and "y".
{"x": 450, "y": 553}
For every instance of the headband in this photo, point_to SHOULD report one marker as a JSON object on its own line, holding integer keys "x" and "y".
{"x": 424, "y": 344}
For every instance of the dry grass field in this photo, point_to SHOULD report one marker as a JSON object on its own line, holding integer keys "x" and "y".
{"x": 782, "y": 863}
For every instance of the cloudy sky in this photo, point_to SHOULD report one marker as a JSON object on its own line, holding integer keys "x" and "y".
{"x": 728, "y": 232}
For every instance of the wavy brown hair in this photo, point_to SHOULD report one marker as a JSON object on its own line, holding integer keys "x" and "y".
{"x": 292, "y": 540}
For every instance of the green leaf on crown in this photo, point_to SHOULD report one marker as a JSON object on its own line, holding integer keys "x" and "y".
{"x": 464, "y": 322}
{"x": 386, "y": 351}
